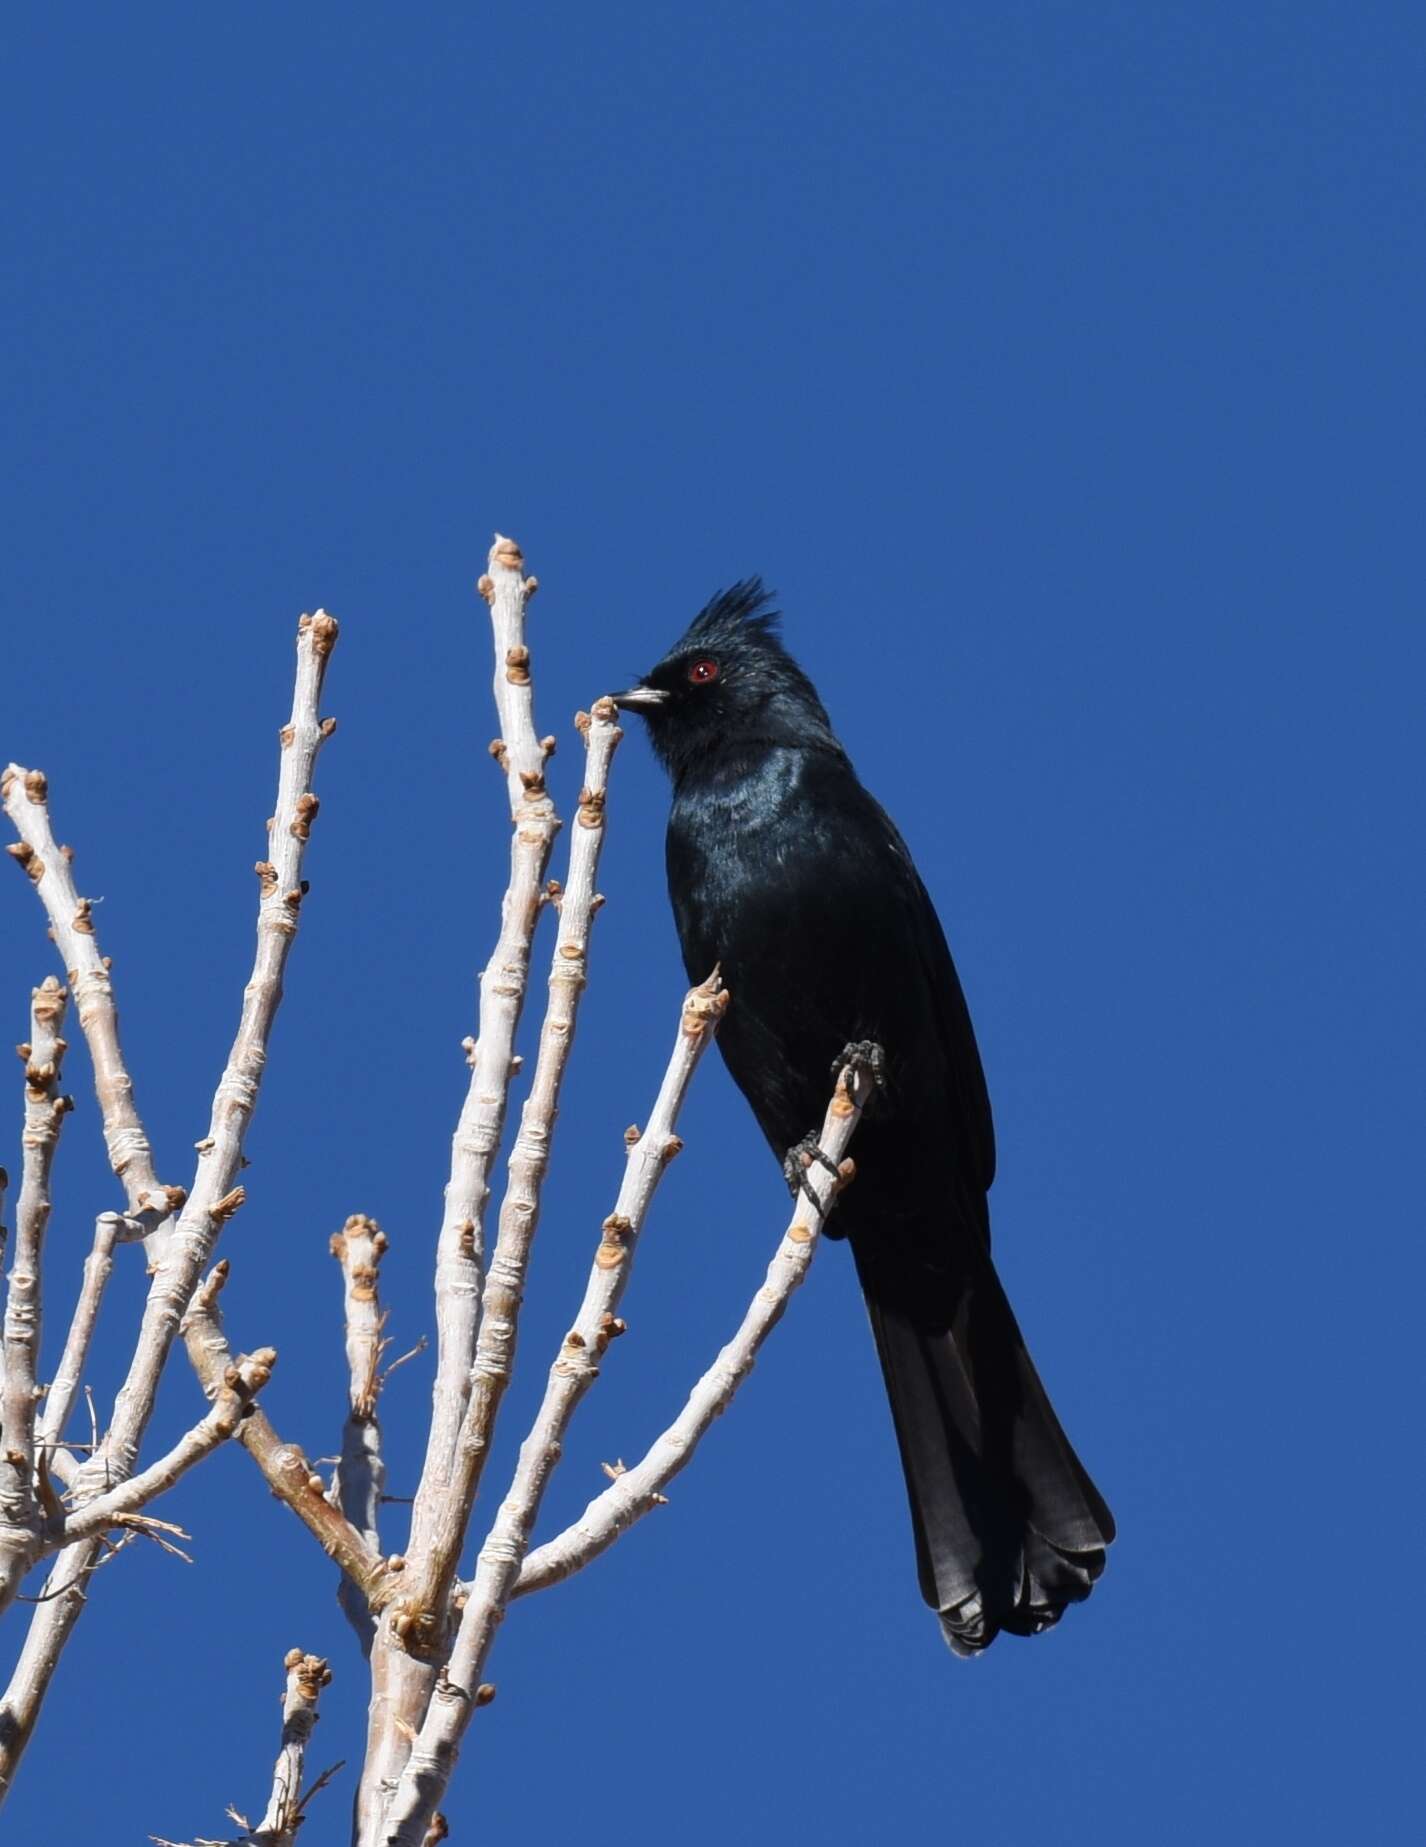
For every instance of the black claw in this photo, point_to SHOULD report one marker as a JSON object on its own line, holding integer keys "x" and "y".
{"x": 862, "y": 1055}
{"x": 796, "y": 1162}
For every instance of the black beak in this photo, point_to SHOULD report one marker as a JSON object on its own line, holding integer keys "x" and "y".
{"x": 640, "y": 699}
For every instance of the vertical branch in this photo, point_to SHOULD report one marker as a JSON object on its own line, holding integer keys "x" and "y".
{"x": 4, "y": 1244}
{"x": 25, "y": 794}
{"x": 178, "y": 1253}
{"x": 361, "y": 1474}
{"x": 432, "y": 1757}
{"x": 286, "y": 1806}
{"x": 44, "y": 1112}
{"x": 306, "y": 1677}
{"x": 529, "y": 1160}
{"x": 215, "y": 1196}
{"x": 50, "y": 1629}
{"x": 459, "y": 1251}
{"x": 59, "y": 1399}
{"x": 401, "y": 1682}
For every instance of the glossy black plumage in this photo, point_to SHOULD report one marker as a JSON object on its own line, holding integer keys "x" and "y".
{"x": 783, "y": 870}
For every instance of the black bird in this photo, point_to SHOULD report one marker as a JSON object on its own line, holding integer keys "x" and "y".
{"x": 783, "y": 870}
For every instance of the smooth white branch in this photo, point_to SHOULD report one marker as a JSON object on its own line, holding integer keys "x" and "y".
{"x": 286, "y": 1807}
{"x": 433, "y": 1754}
{"x": 244, "y": 1379}
{"x": 45, "y": 1110}
{"x": 215, "y": 1194}
{"x": 529, "y": 1160}
{"x": 638, "y": 1490}
{"x": 49, "y": 866}
{"x": 360, "y": 1479}
{"x": 521, "y": 753}
{"x": 109, "y": 1231}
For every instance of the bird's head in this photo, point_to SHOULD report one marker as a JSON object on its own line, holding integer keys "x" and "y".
{"x": 728, "y": 689}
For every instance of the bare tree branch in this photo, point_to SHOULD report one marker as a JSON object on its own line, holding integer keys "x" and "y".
{"x": 215, "y": 1194}
{"x": 433, "y": 1754}
{"x": 637, "y": 1491}
{"x": 26, "y": 794}
{"x": 529, "y": 1160}
{"x": 402, "y": 1681}
{"x": 286, "y": 1806}
{"x": 243, "y": 1380}
{"x": 361, "y": 1475}
{"x": 50, "y": 1629}
{"x": 460, "y": 1249}
{"x": 179, "y": 1250}
{"x": 59, "y": 1399}
{"x": 4, "y": 1245}
{"x": 306, "y": 1676}
{"x": 44, "y": 1112}
{"x": 291, "y": 1477}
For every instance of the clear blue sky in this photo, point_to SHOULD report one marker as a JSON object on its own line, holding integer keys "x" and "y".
{"x": 1061, "y": 366}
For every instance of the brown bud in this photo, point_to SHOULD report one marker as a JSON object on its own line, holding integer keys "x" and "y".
{"x": 223, "y": 1209}
{"x": 307, "y": 806}
{"x": 323, "y": 630}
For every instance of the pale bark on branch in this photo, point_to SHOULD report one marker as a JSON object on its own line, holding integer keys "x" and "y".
{"x": 243, "y": 1380}
{"x": 522, "y": 754}
{"x": 45, "y": 1107}
{"x": 402, "y": 1679}
{"x": 638, "y": 1490}
{"x": 433, "y": 1754}
{"x": 177, "y": 1250}
{"x": 529, "y": 1161}
{"x": 215, "y": 1194}
{"x": 286, "y": 1806}
{"x": 360, "y": 1479}
{"x": 49, "y": 866}
{"x": 59, "y": 1399}
{"x": 287, "y": 1471}
{"x": 428, "y": 1637}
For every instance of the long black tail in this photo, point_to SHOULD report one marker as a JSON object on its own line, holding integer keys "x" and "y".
{"x": 1009, "y": 1528}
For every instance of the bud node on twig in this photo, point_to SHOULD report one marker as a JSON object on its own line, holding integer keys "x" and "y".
{"x": 307, "y": 806}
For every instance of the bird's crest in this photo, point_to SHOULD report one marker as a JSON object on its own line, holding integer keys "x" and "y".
{"x": 743, "y": 612}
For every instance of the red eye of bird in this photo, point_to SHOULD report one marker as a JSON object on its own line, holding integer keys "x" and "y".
{"x": 701, "y": 672}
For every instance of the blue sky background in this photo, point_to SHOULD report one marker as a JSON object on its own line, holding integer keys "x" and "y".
{"x": 1061, "y": 366}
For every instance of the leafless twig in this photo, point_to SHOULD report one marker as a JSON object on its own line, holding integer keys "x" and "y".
{"x": 432, "y": 1756}
{"x": 361, "y": 1474}
{"x": 287, "y": 1804}
{"x": 521, "y": 753}
{"x": 638, "y": 1490}
{"x": 45, "y": 1108}
{"x": 98, "y": 1266}
{"x": 529, "y": 1159}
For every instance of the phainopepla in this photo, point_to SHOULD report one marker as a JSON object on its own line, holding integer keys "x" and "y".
{"x": 785, "y": 871}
